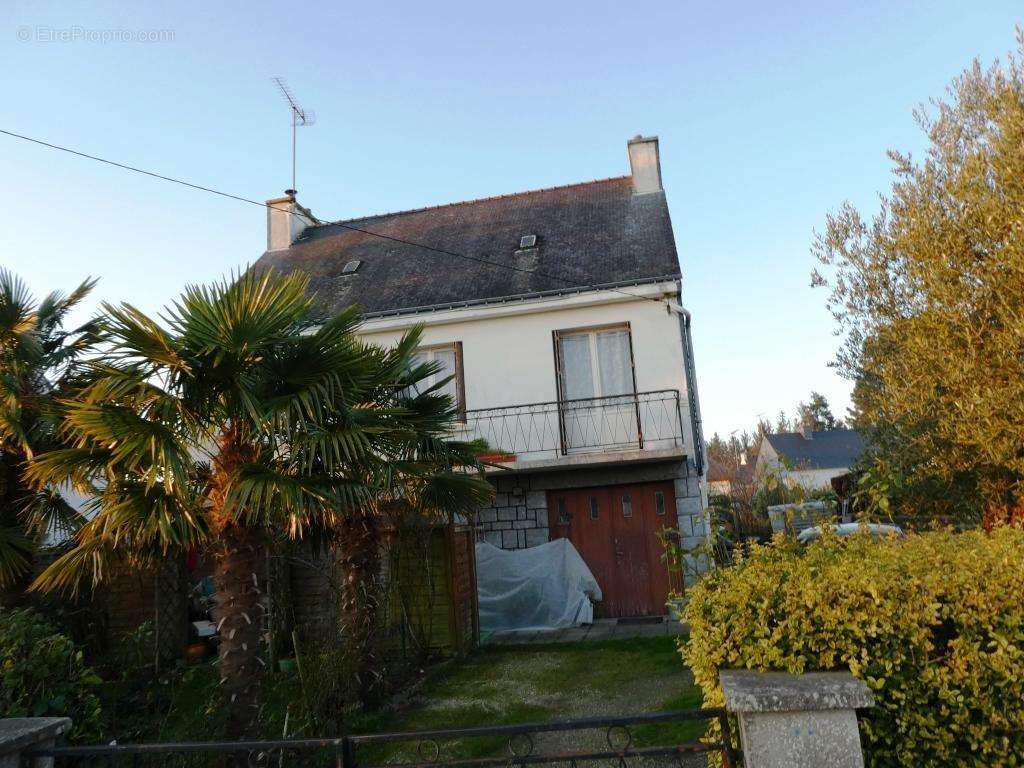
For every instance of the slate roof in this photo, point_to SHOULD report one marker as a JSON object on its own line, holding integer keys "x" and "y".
{"x": 743, "y": 473}
{"x": 829, "y": 449}
{"x": 595, "y": 233}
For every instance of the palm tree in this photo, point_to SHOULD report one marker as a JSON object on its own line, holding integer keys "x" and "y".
{"x": 430, "y": 479}
{"x": 37, "y": 367}
{"x": 246, "y": 417}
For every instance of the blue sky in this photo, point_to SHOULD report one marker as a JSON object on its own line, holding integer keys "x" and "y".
{"x": 770, "y": 115}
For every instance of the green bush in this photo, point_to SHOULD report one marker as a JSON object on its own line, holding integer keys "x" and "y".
{"x": 933, "y": 623}
{"x": 42, "y": 674}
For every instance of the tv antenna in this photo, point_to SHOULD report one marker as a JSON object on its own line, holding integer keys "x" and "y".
{"x": 300, "y": 117}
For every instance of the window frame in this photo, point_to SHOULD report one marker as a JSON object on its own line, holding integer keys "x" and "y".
{"x": 460, "y": 376}
{"x": 591, "y": 331}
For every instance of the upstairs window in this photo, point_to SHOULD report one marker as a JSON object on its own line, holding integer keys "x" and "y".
{"x": 449, "y": 358}
{"x": 595, "y": 363}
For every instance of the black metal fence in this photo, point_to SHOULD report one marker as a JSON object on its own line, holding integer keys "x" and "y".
{"x": 618, "y": 742}
{"x": 643, "y": 420}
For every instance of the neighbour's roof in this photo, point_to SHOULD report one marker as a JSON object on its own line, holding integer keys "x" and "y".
{"x": 595, "y": 233}
{"x": 828, "y": 449}
{"x": 717, "y": 471}
{"x": 742, "y": 472}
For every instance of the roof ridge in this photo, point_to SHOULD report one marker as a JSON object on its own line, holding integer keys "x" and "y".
{"x": 467, "y": 202}
{"x": 816, "y": 431}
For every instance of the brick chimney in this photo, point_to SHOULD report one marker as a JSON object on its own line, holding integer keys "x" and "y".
{"x": 645, "y": 164}
{"x": 286, "y": 221}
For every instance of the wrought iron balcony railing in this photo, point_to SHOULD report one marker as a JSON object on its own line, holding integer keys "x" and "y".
{"x": 644, "y": 420}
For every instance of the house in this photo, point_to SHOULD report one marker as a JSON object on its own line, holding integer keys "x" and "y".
{"x": 718, "y": 478}
{"x": 809, "y": 458}
{"x": 732, "y": 477}
{"x": 557, "y": 315}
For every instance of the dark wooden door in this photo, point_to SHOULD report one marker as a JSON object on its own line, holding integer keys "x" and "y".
{"x": 615, "y": 529}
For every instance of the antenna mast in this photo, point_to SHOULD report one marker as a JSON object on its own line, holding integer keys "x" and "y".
{"x": 300, "y": 116}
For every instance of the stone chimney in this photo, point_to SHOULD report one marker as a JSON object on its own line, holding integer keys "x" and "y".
{"x": 645, "y": 164}
{"x": 286, "y": 221}
{"x": 807, "y": 430}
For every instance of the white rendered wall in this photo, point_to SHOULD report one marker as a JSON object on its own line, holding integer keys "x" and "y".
{"x": 508, "y": 352}
{"x": 814, "y": 478}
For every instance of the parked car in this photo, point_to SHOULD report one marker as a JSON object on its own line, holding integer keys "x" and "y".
{"x": 877, "y": 530}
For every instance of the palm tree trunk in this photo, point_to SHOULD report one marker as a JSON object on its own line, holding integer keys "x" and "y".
{"x": 237, "y": 579}
{"x": 239, "y": 616}
{"x": 360, "y": 562}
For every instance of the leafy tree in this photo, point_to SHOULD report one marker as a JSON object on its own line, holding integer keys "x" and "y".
{"x": 930, "y": 296}
{"x": 44, "y": 675}
{"x": 37, "y": 368}
{"x": 817, "y": 414}
{"x": 247, "y": 416}
{"x": 726, "y": 452}
{"x": 782, "y": 424}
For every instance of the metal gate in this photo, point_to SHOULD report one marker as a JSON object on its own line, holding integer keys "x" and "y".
{"x": 616, "y": 742}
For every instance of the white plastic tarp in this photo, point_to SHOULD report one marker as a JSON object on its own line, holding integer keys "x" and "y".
{"x": 543, "y": 587}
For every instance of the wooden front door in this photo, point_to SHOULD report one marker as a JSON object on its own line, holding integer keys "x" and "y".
{"x": 615, "y": 528}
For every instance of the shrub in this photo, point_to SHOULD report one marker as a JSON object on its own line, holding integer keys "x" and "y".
{"x": 42, "y": 674}
{"x": 933, "y": 623}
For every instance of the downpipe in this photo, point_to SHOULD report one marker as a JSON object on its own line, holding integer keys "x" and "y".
{"x": 689, "y": 374}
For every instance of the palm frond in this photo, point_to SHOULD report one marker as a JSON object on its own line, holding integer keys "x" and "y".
{"x": 135, "y": 336}
{"x": 17, "y": 312}
{"x": 46, "y": 511}
{"x": 87, "y": 563}
{"x": 135, "y": 443}
{"x": 236, "y": 317}
{"x": 76, "y": 468}
{"x": 140, "y": 516}
{"x": 264, "y": 495}
{"x": 15, "y": 555}
{"x": 453, "y": 493}
{"x": 54, "y": 308}
{"x": 334, "y": 444}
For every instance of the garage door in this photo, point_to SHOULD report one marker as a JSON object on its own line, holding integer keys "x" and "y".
{"x": 615, "y": 528}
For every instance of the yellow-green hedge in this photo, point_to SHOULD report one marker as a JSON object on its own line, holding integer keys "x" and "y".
{"x": 934, "y": 623}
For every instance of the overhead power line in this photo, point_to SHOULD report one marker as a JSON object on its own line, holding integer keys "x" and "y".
{"x": 342, "y": 224}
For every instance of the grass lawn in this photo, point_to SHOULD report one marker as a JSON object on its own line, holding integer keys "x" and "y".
{"x": 495, "y": 685}
{"x": 507, "y": 685}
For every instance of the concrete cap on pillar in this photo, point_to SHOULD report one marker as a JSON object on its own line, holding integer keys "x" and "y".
{"x": 749, "y": 691}
{"x": 17, "y": 733}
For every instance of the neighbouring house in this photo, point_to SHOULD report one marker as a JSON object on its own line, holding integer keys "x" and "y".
{"x": 809, "y": 458}
{"x": 718, "y": 478}
{"x": 557, "y": 314}
{"x": 731, "y": 477}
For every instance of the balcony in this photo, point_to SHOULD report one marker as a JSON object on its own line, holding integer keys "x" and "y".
{"x": 596, "y": 430}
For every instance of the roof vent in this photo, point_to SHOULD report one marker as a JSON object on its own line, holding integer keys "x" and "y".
{"x": 528, "y": 241}
{"x": 351, "y": 267}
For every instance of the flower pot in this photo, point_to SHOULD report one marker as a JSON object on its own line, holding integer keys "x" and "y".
{"x": 498, "y": 458}
{"x": 195, "y": 653}
{"x": 286, "y": 665}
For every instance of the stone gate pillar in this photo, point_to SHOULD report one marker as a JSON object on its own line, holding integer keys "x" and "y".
{"x": 19, "y": 734}
{"x": 797, "y": 721}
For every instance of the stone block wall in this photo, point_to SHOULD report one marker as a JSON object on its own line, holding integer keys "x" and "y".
{"x": 693, "y": 519}
{"x": 518, "y": 517}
